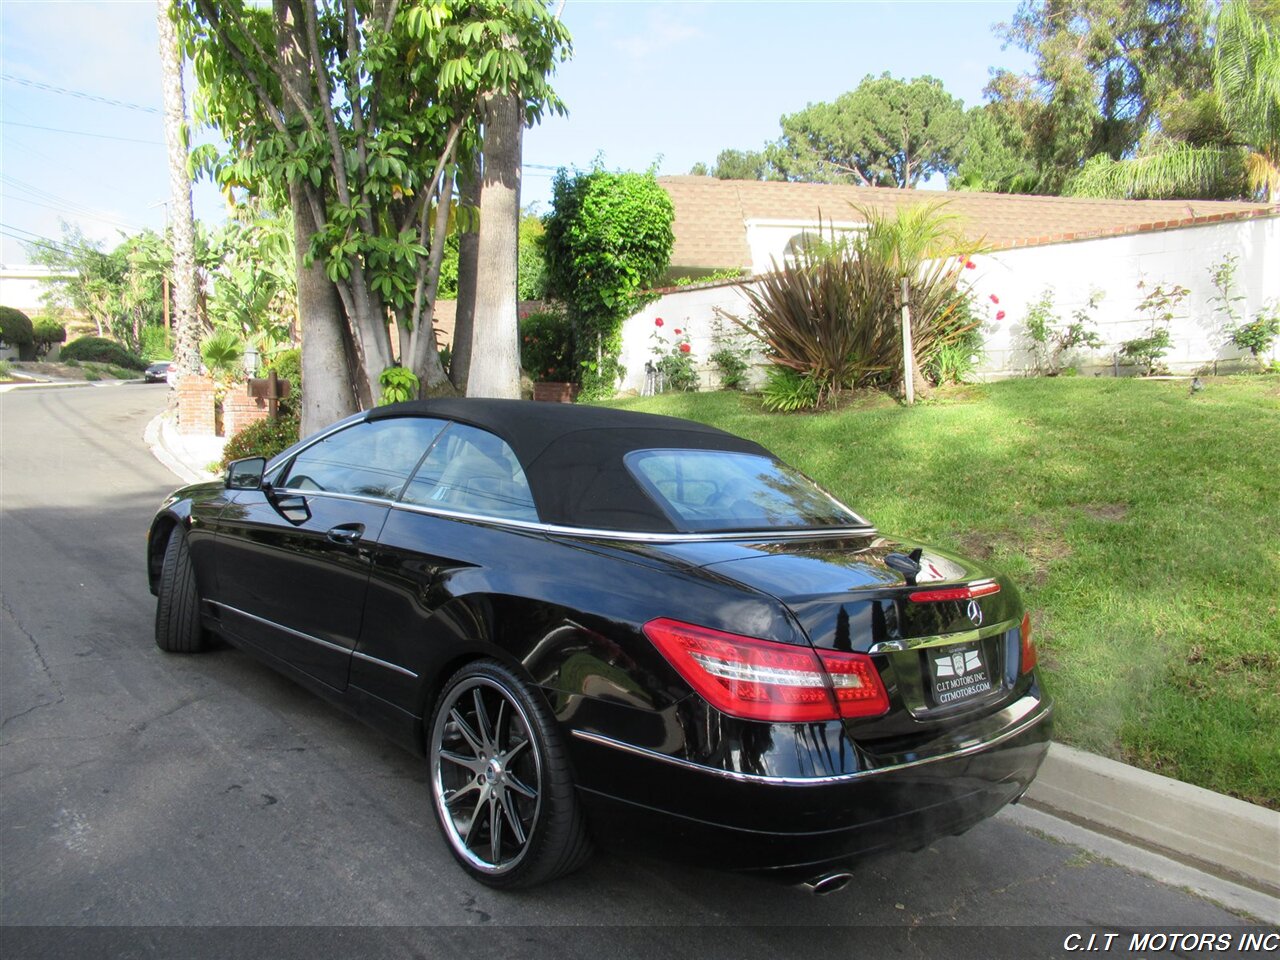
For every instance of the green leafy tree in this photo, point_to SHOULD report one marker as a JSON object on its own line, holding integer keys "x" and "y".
{"x": 16, "y": 331}
{"x": 1105, "y": 71}
{"x": 255, "y": 292}
{"x": 887, "y": 132}
{"x": 1231, "y": 136}
{"x": 992, "y": 156}
{"x": 607, "y": 239}
{"x": 741, "y": 165}
{"x": 359, "y": 112}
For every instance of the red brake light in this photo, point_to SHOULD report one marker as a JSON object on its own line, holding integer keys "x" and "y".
{"x": 970, "y": 591}
{"x": 766, "y": 680}
{"x": 1029, "y": 658}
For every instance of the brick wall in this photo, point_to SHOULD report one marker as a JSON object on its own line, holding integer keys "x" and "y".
{"x": 195, "y": 405}
{"x": 239, "y": 410}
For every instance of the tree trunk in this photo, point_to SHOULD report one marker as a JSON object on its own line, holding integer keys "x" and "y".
{"x": 186, "y": 351}
{"x": 326, "y": 368}
{"x": 468, "y": 260}
{"x": 495, "y": 357}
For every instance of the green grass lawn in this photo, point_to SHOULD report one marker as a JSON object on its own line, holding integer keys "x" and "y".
{"x": 1142, "y": 524}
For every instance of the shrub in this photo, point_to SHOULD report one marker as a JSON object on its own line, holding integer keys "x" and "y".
{"x": 288, "y": 366}
{"x": 15, "y": 327}
{"x": 102, "y": 350}
{"x": 1159, "y": 305}
{"x": 264, "y": 438}
{"x": 1257, "y": 337}
{"x": 730, "y": 357}
{"x": 1051, "y": 339}
{"x": 607, "y": 239}
{"x": 398, "y": 385}
{"x": 547, "y": 347}
{"x": 45, "y": 333}
{"x": 5, "y": 370}
{"x": 836, "y": 317}
{"x": 673, "y": 367}
{"x": 786, "y": 391}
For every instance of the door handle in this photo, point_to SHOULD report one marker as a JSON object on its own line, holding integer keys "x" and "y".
{"x": 346, "y": 533}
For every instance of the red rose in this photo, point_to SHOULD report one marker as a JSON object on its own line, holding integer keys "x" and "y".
{"x": 994, "y": 298}
{"x": 676, "y": 331}
{"x": 684, "y": 348}
{"x": 970, "y": 265}
{"x": 658, "y": 322}
{"x": 999, "y": 314}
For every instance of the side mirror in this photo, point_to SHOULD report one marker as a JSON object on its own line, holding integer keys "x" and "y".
{"x": 246, "y": 474}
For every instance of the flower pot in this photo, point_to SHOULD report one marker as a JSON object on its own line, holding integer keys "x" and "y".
{"x": 555, "y": 392}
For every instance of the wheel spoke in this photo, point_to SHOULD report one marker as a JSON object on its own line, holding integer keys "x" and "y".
{"x": 468, "y": 734}
{"x": 482, "y": 721}
{"x": 519, "y": 787}
{"x": 495, "y": 830}
{"x": 474, "y": 764}
{"x": 462, "y": 791}
{"x": 511, "y": 754}
{"x": 512, "y": 818}
{"x": 475, "y": 816}
{"x": 497, "y": 726}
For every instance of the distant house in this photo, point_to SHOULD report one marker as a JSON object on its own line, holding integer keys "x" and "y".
{"x": 1073, "y": 246}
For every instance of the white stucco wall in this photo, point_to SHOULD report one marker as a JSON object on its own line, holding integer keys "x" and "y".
{"x": 1113, "y": 265}
{"x": 23, "y": 285}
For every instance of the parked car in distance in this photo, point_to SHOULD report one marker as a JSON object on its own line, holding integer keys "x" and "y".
{"x": 157, "y": 372}
{"x": 611, "y": 627}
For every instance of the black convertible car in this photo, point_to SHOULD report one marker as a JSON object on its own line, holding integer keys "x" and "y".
{"x": 604, "y": 624}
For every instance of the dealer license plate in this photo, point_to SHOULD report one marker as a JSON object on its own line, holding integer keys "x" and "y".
{"x": 958, "y": 673}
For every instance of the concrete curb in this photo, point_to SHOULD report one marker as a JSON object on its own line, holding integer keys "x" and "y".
{"x": 1235, "y": 840}
{"x": 160, "y": 435}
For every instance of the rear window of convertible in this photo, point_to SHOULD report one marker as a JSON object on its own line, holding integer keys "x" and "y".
{"x": 715, "y": 490}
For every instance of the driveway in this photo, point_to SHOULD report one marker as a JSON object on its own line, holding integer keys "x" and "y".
{"x": 138, "y": 788}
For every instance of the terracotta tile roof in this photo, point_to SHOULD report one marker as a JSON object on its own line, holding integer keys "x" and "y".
{"x": 710, "y": 225}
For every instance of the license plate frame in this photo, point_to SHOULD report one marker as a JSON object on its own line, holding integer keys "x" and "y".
{"x": 958, "y": 674}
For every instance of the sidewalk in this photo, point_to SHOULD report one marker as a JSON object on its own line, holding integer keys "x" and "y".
{"x": 1220, "y": 847}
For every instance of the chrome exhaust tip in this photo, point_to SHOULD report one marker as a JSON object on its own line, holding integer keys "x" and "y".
{"x": 826, "y": 883}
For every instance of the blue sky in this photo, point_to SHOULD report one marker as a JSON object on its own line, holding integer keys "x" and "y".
{"x": 669, "y": 83}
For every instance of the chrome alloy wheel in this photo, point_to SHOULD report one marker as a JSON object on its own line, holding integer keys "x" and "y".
{"x": 486, "y": 771}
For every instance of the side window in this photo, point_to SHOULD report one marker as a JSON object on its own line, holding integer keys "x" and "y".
{"x": 366, "y": 460}
{"x": 472, "y": 471}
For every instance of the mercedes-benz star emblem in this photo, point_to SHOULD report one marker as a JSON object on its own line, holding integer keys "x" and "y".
{"x": 975, "y": 613}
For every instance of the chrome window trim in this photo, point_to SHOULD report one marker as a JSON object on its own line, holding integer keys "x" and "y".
{"x": 637, "y": 536}
{"x": 1024, "y": 716}
{"x": 945, "y": 639}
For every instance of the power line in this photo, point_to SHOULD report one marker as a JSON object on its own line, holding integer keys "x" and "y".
{"x": 81, "y": 133}
{"x": 80, "y": 94}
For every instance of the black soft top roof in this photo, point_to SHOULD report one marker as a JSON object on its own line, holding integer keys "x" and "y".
{"x": 572, "y": 455}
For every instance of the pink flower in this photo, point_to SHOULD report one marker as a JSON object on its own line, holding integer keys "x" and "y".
{"x": 999, "y": 314}
{"x": 684, "y": 348}
{"x": 994, "y": 298}
{"x": 970, "y": 265}
{"x": 658, "y": 322}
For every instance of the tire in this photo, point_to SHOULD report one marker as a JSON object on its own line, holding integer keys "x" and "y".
{"x": 178, "y": 628}
{"x": 498, "y": 767}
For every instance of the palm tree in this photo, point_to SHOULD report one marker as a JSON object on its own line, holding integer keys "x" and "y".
{"x": 182, "y": 221}
{"x": 1246, "y": 77}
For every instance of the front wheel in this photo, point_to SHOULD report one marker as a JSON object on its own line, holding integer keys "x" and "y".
{"x": 178, "y": 628}
{"x": 500, "y": 780}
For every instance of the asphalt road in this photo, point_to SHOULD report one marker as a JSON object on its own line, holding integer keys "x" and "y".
{"x": 140, "y": 790}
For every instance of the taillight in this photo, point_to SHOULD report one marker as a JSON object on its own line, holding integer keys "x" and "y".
{"x": 767, "y": 680}
{"x": 1028, "y": 659}
{"x": 970, "y": 591}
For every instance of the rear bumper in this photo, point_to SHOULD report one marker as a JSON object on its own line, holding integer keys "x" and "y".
{"x": 795, "y": 827}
